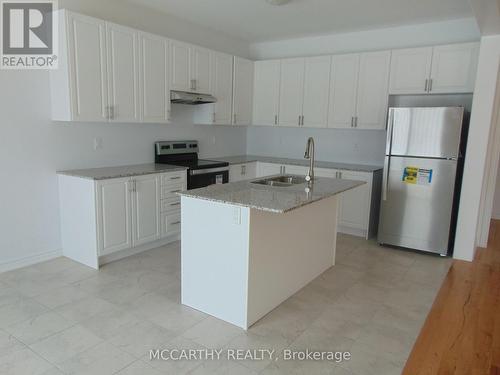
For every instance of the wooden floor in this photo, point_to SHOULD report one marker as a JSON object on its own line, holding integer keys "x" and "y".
{"x": 462, "y": 332}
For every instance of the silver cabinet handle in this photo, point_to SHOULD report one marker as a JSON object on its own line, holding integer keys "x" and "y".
{"x": 176, "y": 223}
{"x": 340, "y": 174}
{"x": 352, "y": 122}
{"x": 302, "y": 121}
{"x": 175, "y": 178}
{"x": 426, "y": 85}
{"x": 356, "y": 121}
{"x": 214, "y": 118}
{"x": 243, "y": 170}
{"x": 430, "y": 85}
{"x": 175, "y": 191}
{"x": 193, "y": 84}
{"x": 234, "y": 118}
{"x": 175, "y": 204}
{"x": 168, "y": 114}
{"x": 275, "y": 119}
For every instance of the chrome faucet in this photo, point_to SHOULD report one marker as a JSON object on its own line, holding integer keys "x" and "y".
{"x": 309, "y": 154}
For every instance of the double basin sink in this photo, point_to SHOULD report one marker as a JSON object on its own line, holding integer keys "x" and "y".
{"x": 281, "y": 181}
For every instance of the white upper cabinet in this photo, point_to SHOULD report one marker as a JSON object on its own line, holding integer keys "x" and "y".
{"x": 222, "y": 88}
{"x": 316, "y": 91}
{"x": 410, "y": 70}
{"x": 123, "y": 73}
{"x": 454, "y": 68}
{"x": 201, "y": 73}
{"x": 358, "y": 90}
{"x": 191, "y": 68}
{"x": 266, "y": 92}
{"x": 291, "y": 92}
{"x": 372, "y": 93}
{"x": 79, "y": 88}
{"x": 155, "y": 93}
{"x": 343, "y": 91}
{"x": 242, "y": 91}
{"x": 442, "y": 69}
{"x": 180, "y": 70}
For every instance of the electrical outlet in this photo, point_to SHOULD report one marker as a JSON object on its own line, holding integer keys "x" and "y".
{"x": 97, "y": 143}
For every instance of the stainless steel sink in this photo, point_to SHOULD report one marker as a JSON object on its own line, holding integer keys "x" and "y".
{"x": 281, "y": 181}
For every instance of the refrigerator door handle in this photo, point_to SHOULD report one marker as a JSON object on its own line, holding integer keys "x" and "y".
{"x": 385, "y": 177}
{"x": 390, "y": 127}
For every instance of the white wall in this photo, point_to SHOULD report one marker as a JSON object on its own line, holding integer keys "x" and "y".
{"x": 480, "y": 124}
{"x": 461, "y": 30}
{"x": 32, "y": 147}
{"x": 341, "y": 145}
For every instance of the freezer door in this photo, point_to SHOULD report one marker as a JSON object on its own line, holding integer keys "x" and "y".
{"x": 425, "y": 132}
{"x": 417, "y": 203}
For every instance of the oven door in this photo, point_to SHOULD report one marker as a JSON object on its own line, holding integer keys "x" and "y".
{"x": 199, "y": 178}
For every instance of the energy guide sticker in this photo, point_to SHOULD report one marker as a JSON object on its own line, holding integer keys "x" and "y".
{"x": 417, "y": 176}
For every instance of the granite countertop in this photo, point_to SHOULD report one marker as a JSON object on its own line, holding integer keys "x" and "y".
{"x": 272, "y": 198}
{"x": 121, "y": 171}
{"x": 240, "y": 159}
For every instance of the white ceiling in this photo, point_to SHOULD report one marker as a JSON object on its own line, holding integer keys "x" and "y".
{"x": 256, "y": 20}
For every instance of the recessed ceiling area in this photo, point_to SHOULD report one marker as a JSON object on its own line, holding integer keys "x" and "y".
{"x": 257, "y": 20}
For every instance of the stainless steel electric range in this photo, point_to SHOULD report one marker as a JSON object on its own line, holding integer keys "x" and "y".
{"x": 201, "y": 172}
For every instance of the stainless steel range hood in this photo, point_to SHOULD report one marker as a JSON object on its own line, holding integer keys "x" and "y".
{"x": 191, "y": 98}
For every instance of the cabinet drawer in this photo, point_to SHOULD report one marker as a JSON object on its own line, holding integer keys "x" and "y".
{"x": 170, "y": 191}
{"x": 170, "y": 223}
{"x": 171, "y": 204}
{"x": 173, "y": 178}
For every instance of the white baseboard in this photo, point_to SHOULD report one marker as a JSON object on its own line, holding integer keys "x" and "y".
{"x": 352, "y": 231}
{"x": 28, "y": 261}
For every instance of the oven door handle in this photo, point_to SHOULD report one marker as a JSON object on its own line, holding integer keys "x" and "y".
{"x": 207, "y": 171}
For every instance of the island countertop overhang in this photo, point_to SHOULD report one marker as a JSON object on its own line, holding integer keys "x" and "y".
{"x": 272, "y": 198}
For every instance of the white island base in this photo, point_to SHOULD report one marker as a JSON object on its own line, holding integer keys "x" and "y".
{"x": 239, "y": 263}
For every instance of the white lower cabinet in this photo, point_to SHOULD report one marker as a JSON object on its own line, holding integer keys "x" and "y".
{"x": 268, "y": 169}
{"x": 355, "y": 204}
{"x": 108, "y": 219}
{"x": 146, "y": 209}
{"x": 359, "y": 207}
{"x": 114, "y": 226}
{"x": 241, "y": 172}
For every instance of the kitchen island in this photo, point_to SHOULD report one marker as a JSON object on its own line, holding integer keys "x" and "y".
{"x": 248, "y": 246}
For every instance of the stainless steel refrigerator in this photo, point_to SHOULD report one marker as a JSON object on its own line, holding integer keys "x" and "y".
{"x": 423, "y": 157}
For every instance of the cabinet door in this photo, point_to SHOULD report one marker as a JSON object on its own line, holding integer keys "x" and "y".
{"x": 454, "y": 68}
{"x": 114, "y": 225}
{"x": 343, "y": 91}
{"x": 123, "y": 73}
{"x": 373, "y": 82}
{"x": 223, "y": 87}
{"x": 243, "y": 91}
{"x": 87, "y": 68}
{"x": 180, "y": 74}
{"x": 296, "y": 169}
{"x": 201, "y": 72}
{"x": 355, "y": 203}
{"x": 268, "y": 169}
{"x": 410, "y": 70}
{"x": 291, "y": 92}
{"x": 316, "y": 91}
{"x": 146, "y": 209}
{"x": 266, "y": 92}
{"x": 155, "y": 93}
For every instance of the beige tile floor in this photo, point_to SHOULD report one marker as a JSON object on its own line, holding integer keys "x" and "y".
{"x": 59, "y": 317}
